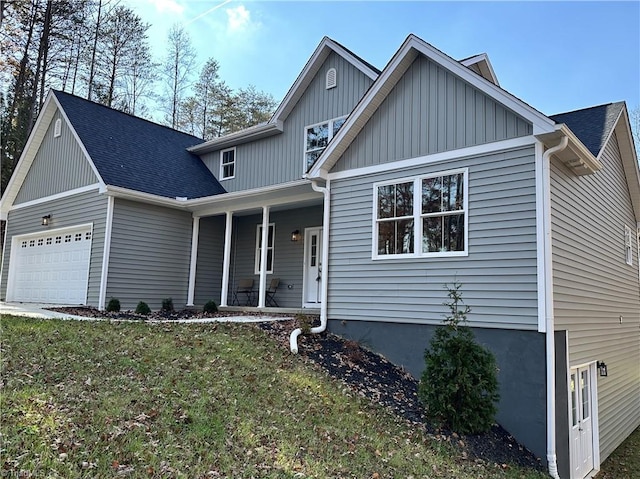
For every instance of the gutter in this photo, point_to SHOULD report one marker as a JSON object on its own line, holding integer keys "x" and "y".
{"x": 552, "y": 459}
{"x": 293, "y": 338}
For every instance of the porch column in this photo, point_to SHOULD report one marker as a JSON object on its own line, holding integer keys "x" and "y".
{"x": 194, "y": 259}
{"x": 227, "y": 259}
{"x": 263, "y": 256}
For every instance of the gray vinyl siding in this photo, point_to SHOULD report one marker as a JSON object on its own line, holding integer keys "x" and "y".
{"x": 430, "y": 110}
{"x": 594, "y": 287}
{"x": 60, "y": 165}
{"x": 288, "y": 255}
{"x": 210, "y": 257}
{"x": 83, "y": 208}
{"x": 498, "y": 276}
{"x": 280, "y": 158}
{"x": 150, "y": 255}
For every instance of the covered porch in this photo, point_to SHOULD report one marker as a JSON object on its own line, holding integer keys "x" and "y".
{"x": 261, "y": 238}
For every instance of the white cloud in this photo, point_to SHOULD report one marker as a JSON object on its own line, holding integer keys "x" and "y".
{"x": 238, "y": 18}
{"x": 168, "y": 6}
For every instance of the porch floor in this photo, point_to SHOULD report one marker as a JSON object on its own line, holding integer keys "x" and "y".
{"x": 254, "y": 309}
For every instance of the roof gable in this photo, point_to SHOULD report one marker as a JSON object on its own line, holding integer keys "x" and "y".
{"x": 133, "y": 153}
{"x": 389, "y": 77}
{"x": 482, "y": 66}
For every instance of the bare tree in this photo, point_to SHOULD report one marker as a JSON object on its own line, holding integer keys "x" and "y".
{"x": 634, "y": 118}
{"x": 177, "y": 70}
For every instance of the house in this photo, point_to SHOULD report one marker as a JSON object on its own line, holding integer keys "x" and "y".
{"x": 365, "y": 193}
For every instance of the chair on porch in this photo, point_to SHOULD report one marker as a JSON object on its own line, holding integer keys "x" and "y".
{"x": 245, "y": 287}
{"x": 271, "y": 292}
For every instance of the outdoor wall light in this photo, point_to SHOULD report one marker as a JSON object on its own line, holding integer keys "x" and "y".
{"x": 602, "y": 368}
{"x": 46, "y": 219}
{"x": 296, "y": 236}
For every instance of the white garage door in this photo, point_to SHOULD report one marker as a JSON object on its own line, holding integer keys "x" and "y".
{"x": 50, "y": 267}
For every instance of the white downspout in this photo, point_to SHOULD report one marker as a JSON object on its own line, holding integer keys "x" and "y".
{"x": 552, "y": 460}
{"x": 293, "y": 338}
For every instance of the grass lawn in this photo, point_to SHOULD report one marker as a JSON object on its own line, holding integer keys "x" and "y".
{"x": 100, "y": 399}
{"x": 624, "y": 463}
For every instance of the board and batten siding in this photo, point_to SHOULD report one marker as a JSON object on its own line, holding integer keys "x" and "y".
{"x": 79, "y": 209}
{"x": 150, "y": 255}
{"x": 280, "y": 158}
{"x": 596, "y": 294}
{"x": 498, "y": 276}
{"x": 288, "y": 255}
{"x": 59, "y": 166}
{"x": 430, "y": 110}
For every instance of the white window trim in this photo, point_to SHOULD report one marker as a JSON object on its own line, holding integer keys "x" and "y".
{"x": 417, "y": 218}
{"x": 272, "y": 227}
{"x": 628, "y": 248}
{"x": 222, "y": 165}
{"x": 330, "y": 122}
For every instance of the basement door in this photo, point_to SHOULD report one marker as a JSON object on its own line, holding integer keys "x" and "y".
{"x": 51, "y": 266}
{"x": 581, "y": 391}
{"x": 312, "y": 277}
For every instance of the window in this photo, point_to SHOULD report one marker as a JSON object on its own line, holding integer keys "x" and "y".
{"x": 331, "y": 80}
{"x": 227, "y": 164}
{"x": 424, "y": 216}
{"x": 270, "y": 242}
{"x": 317, "y": 138}
{"x": 57, "y": 128}
{"x": 628, "y": 252}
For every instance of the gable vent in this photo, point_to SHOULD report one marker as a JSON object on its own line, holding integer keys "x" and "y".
{"x": 57, "y": 127}
{"x": 331, "y": 78}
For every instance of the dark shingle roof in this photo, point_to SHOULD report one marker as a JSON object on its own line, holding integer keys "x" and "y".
{"x": 137, "y": 154}
{"x": 592, "y": 125}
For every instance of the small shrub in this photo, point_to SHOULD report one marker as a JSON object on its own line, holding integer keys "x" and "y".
{"x": 210, "y": 307}
{"x": 304, "y": 323}
{"x": 353, "y": 351}
{"x": 143, "y": 308}
{"x": 459, "y": 386}
{"x": 114, "y": 305}
{"x": 167, "y": 304}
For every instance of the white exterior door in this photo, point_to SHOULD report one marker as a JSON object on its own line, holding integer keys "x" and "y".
{"x": 581, "y": 393}
{"x": 312, "y": 287}
{"x": 50, "y": 266}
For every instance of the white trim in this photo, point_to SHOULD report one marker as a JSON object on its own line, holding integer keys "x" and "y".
{"x": 540, "y": 236}
{"x": 252, "y": 133}
{"x": 461, "y": 153}
{"x": 264, "y": 245}
{"x": 195, "y": 231}
{"x": 482, "y": 58}
{"x": 226, "y": 262}
{"x": 258, "y": 258}
{"x": 232, "y": 164}
{"x": 57, "y": 196}
{"x": 307, "y": 232}
{"x": 106, "y": 253}
{"x": 628, "y": 245}
{"x": 417, "y": 216}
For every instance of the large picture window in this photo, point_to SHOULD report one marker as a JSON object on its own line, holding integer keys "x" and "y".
{"x": 423, "y": 216}
{"x": 317, "y": 138}
{"x": 270, "y": 243}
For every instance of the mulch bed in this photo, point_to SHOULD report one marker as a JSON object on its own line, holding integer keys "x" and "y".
{"x": 369, "y": 375}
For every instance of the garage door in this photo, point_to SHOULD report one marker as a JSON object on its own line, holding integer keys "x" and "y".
{"x": 51, "y": 267}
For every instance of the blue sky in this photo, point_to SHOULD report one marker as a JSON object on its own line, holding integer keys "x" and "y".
{"x": 556, "y": 56}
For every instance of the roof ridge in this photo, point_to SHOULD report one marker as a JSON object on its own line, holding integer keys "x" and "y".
{"x": 154, "y": 123}
{"x": 587, "y": 108}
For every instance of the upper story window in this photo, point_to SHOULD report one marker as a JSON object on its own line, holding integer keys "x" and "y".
{"x": 228, "y": 164}
{"x": 317, "y": 138}
{"x": 628, "y": 249}
{"x": 270, "y": 244}
{"x": 423, "y": 216}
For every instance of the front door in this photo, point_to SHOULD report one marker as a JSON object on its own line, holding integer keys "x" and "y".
{"x": 581, "y": 391}
{"x": 312, "y": 266}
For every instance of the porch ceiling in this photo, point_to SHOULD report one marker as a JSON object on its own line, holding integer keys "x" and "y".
{"x": 280, "y": 197}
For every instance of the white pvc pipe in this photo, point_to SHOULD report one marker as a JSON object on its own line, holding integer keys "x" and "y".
{"x": 293, "y": 338}
{"x": 552, "y": 459}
